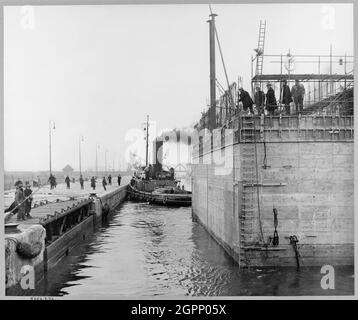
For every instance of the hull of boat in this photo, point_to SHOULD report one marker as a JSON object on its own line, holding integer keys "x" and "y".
{"x": 165, "y": 199}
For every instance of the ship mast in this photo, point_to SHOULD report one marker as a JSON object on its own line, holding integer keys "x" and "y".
{"x": 147, "y": 145}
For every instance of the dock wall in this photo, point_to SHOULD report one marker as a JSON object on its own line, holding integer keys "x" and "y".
{"x": 53, "y": 252}
{"x": 304, "y": 170}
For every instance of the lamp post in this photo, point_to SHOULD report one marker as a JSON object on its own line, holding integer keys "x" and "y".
{"x": 105, "y": 161}
{"x": 51, "y": 127}
{"x": 81, "y": 139}
{"x": 97, "y": 147}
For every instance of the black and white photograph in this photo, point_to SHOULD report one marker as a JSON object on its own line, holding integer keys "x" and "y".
{"x": 156, "y": 151}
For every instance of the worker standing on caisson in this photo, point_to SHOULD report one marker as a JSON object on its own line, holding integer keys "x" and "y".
{"x": 110, "y": 180}
{"x": 259, "y": 100}
{"x": 271, "y": 103}
{"x": 298, "y": 92}
{"x": 67, "y": 180}
{"x": 119, "y": 178}
{"x": 286, "y": 97}
{"x": 246, "y": 100}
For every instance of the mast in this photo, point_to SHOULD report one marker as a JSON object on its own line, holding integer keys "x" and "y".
{"x": 146, "y": 146}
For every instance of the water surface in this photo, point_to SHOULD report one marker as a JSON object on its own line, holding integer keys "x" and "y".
{"x": 147, "y": 250}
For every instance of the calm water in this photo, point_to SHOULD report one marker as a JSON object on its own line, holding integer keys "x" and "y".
{"x": 151, "y": 250}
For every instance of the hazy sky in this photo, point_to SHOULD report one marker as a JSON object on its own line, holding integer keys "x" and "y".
{"x": 99, "y": 70}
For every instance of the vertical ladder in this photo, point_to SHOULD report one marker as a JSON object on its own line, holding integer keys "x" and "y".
{"x": 248, "y": 167}
{"x": 260, "y": 49}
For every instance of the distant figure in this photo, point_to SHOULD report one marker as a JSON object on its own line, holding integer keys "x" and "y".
{"x": 182, "y": 187}
{"x": 93, "y": 183}
{"x": 286, "y": 97}
{"x": 271, "y": 103}
{"x": 298, "y": 92}
{"x": 52, "y": 181}
{"x": 67, "y": 180}
{"x": 28, "y": 202}
{"x": 105, "y": 212}
{"x": 119, "y": 178}
{"x": 81, "y": 182}
{"x": 246, "y": 100}
{"x": 19, "y": 201}
{"x": 259, "y": 100}
{"x": 104, "y": 183}
{"x": 110, "y": 180}
{"x": 73, "y": 180}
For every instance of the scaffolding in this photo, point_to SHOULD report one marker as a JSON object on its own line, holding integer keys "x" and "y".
{"x": 328, "y": 91}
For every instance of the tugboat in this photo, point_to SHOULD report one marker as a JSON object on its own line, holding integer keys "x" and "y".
{"x": 155, "y": 185}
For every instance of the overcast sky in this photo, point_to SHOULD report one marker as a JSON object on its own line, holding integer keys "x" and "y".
{"x": 99, "y": 70}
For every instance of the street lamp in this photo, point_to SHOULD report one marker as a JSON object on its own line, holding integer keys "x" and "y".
{"x": 51, "y": 126}
{"x": 97, "y": 147}
{"x": 105, "y": 161}
{"x": 81, "y": 139}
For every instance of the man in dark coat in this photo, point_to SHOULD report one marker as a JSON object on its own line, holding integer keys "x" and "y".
{"x": 93, "y": 183}
{"x": 67, "y": 180}
{"x": 28, "y": 202}
{"x": 246, "y": 100}
{"x": 110, "y": 180}
{"x": 81, "y": 182}
{"x": 271, "y": 103}
{"x": 119, "y": 179}
{"x": 259, "y": 100}
{"x": 19, "y": 201}
{"x": 104, "y": 183}
{"x": 52, "y": 181}
{"x": 286, "y": 97}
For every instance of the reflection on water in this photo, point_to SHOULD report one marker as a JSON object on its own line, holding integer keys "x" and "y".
{"x": 149, "y": 250}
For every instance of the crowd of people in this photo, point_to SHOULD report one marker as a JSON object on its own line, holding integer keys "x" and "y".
{"x": 24, "y": 195}
{"x": 266, "y": 103}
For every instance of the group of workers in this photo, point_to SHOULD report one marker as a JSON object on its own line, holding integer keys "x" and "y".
{"x": 267, "y": 101}
{"x": 104, "y": 181}
{"x": 23, "y": 200}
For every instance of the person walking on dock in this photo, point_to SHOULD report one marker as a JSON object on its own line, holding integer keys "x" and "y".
{"x": 110, "y": 180}
{"x": 19, "y": 201}
{"x": 246, "y": 100}
{"x": 93, "y": 183}
{"x": 119, "y": 178}
{"x": 81, "y": 182}
{"x": 67, "y": 180}
{"x": 271, "y": 103}
{"x": 286, "y": 97}
{"x": 298, "y": 92}
{"x": 104, "y": 183}
{"x": 259, "y": 100}
{"x": 28, "y": 202}
{"x": 52, "y": 181}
